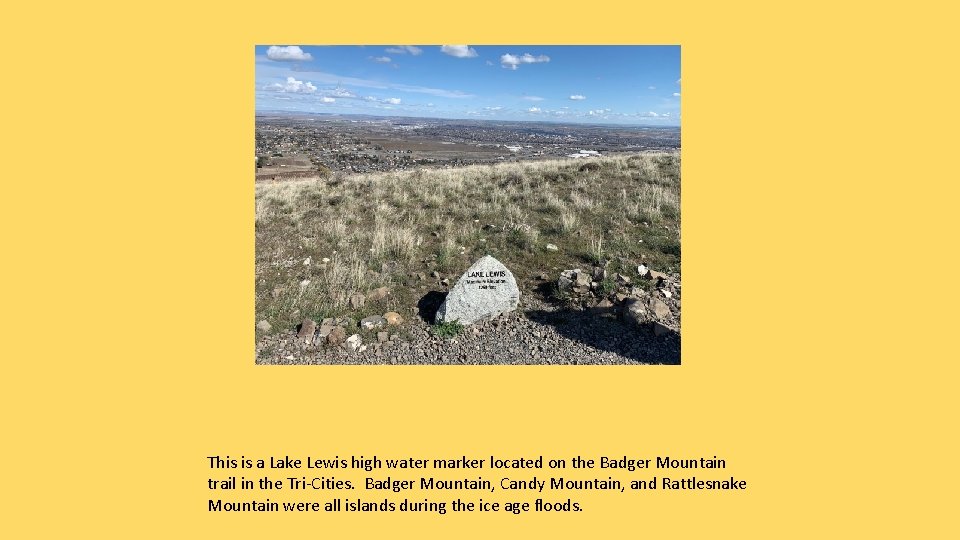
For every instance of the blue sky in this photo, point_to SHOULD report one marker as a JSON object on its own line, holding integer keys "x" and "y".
{"x": 592, "y": 84}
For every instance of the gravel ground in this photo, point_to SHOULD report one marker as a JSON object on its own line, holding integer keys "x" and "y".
{"x": 538, "y": 333}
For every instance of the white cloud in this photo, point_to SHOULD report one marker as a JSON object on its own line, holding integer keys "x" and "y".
{"x": 374, "y": 99}
{"x": 652, "y": 114}
{"x": 429, "y": 104}
{"x": 292, "y": 85}
{"x": 510, "y": 61}
{"x": 380, "y": 59}
{"x": 288, "y": 54}
{"x": 578, "y": 97}
{"x": 489, "y": 63}
{"x": 532, "y": 98}
{"x": 459, "y": 51}
{"x": 651, "y": 88}
{"x": 404, "y": 49}
{"x": 676, "y": 94}
{"x": 534, "y": 109}
{"x": 678, "y": 81}
{"x": 333, "y": 78}
{"x": 493, "y": 108}
{"x": 342, "y": 92}
{"x": 326, "y": 99}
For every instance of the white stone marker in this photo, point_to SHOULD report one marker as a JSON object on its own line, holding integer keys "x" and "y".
{"x": 484, "y": 291}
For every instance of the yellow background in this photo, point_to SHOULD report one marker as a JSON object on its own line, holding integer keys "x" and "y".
{"x": 819, "y": 194}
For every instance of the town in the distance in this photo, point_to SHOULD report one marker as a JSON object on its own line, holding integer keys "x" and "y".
{"x": 295, "y": 145}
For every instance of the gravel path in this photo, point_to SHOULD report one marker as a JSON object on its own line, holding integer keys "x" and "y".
{"x": 539, "y": 334}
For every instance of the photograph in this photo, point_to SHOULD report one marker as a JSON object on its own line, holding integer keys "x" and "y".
{"x": 467, "y": 204}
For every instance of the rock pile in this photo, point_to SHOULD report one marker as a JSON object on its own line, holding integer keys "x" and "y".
{"x": 332, "y": 332}
{"x": 650, "y": 300}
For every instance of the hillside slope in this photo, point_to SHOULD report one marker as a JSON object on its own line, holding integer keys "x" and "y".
{"x": 320, "y": 242}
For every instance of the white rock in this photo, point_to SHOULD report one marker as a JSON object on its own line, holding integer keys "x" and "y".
{"x": 484, "y": 291}
{"x": 306, "y": 262}
{"x": 642, "y": 270}
{"x": 304, "y": 283}
{"x": 325, "y": 259}
{"x": 666, "y": 293}
{"x": 353, "y": 342}
{"x": 551, "y": 247}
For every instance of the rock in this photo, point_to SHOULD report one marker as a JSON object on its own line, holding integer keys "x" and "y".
{"x": 642, "y": 270}
{"x": 634, "y": 311}
{"x": 394, "y": 337}
{"x": 484, "y": 291}
{"x": 604, "y": 308}
{"x": 544, "y": 276}
{"x": 382, "y": 337}
{"x": 434, "y": 274}
{"x": 357, "y": 300}
{"x": 661, "y": 310}
{"x": 445, "y": 282}
{"x": 660, "y": 329}
{"x": 306, "y": 262}
{"x": 373, "y": 321}
{"x": 347, "y": 322}
{"x": 264, "y": 326}
{"x": 623, "y": 279}
{"x": 581, "y": 279}
{"x": 420, "y": 276}
{"x": 666, "y": 293}
{"x": 325, "y": 260}
{"x": 354, "y": 342}
{"x": 599, "y": 274}
{"x": 324, "y": 331}
{"x": 658, "y": 275}
{"x": 552, "y": 247}
{"x": 565, "y": 282}
{"x": 393, "y": 318}
{"x": 336, "y": 336}
{"x": 328, "y": 322}
{"x": 307, "y": 328}
{"x": 378, "y": 294}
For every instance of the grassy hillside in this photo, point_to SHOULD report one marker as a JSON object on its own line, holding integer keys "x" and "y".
{"x": 395, "y": 229}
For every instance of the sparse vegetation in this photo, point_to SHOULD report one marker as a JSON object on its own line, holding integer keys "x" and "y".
{"x": 383, "y": 229}
{"x": 447, "y": 329}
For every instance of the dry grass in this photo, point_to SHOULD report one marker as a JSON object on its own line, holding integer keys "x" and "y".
{"x": 380, "y": 229}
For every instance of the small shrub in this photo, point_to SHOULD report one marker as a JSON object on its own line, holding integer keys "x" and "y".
{"x": 447, "y": 329}
{"x": 608, "y": 285}
{"x": 589, "y": 166}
